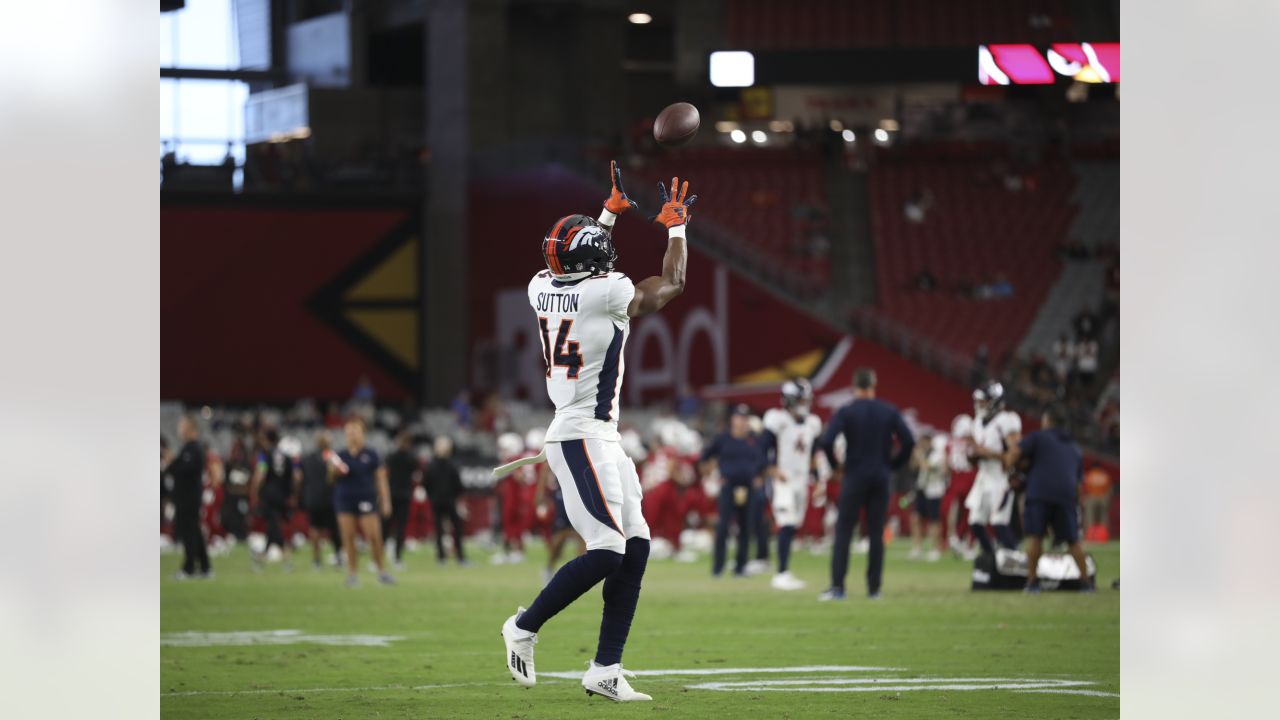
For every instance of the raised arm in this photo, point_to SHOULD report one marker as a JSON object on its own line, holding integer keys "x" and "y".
{"x": 653, "y": 293}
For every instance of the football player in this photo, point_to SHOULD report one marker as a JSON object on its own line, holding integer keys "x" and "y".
{"x": 789, "y": 434}
{"x": 511, "y": 491}
{"x": 990, "y": 502}
{"x": 583, "y": 310}
{"x": 930, "y": 460}
{"x": 954, "y": 516}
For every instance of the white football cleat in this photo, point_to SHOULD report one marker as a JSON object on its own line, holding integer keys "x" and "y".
{"x": 610, "y": 681}
{"x": 915, "y": 554}
{"x": 520, "y": 651}
{"x": 933, "y": 556}
{"x": 755, "y": 567}
{"x": 786, "y": 581}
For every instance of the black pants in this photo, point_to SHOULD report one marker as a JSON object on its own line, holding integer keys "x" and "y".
{"x": 396, "y": 525}
{"x": 322, "y": 517}
{"x": 233, "y": 516}
{"x": 729, "y": 511}
{"x": 871, "y": 494}
{"x": 275, "y": 512}
{"x": 448, "y": 511}
{"x": 760, "y": 522}
{"x": 186, "y": 525}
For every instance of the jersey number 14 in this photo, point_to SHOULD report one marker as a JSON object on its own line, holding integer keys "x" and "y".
{"x": 565, "y": 351}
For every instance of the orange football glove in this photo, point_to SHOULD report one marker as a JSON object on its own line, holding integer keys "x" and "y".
{"x": 618, "y": 201}
{"x": 675, "y": 209}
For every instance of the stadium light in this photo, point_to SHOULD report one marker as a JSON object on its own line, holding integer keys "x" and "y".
{"x": 734, "y": 68}
{"x": 882, "y": 135}
{"x": 738, "y": 136}
{"x": 758, "y": 137}
{"x": 639, "y": 18}
{"x": 848, "y": 135}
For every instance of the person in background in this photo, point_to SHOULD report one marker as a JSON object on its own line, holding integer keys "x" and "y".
{"x": 402, "y": 466}
{"x": 461, "y": 407}
{"x": 991, "y": 501}
{"x": 443, "y": 484}
{"x": 360, "y": 494}
{"x": 930, "y": 461}
{"x": 364, "y": 393}
{"x": 187, "y": 467}
{"x": 955, "y": 516}
{"x": 741, "y": 461}
{"x": 1096, "y": 501}
{"x": 870, "y": 428}
{"x": 234, "y": 514}
{"x": 317, "y": 499}
{"x": 1054, "y": 467}
{"x": 165, "y": 456}
{"x": 273, "y": 491}
{"x": 549, "y": 503}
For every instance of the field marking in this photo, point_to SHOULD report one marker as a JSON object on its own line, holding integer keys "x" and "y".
{"x": 272, "y": 637}
{"x": 577, "y": 675}
{"x": 300, "y": 691}
{"x": 821, "y": 684}
{"x": 1090, "y": 693}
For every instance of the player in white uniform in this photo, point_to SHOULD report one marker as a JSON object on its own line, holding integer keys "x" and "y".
{"x": 990, "y": 502}
{"x": 583, "y": 309}
{"x": 930, "y": 460}
{"x": 790, "y": 433}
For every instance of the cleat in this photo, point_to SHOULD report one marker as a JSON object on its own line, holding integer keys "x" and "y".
{"x": 386, "y": 579}
{"x": 831, "y": 594}
{"x": 1032, "y": 588}
{"x": 352, "y": 581}
{"x": 610, "y": 681}
{"x": 755, "y": 567}
{"x": 787, "y": 582}
{"x": 519, "y": 651}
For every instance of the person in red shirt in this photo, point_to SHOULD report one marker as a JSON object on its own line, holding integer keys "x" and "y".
{"x": 959, "y": 457}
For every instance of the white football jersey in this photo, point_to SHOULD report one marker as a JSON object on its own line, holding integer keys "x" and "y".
{"x": 583, "y": 328}
{"x": 991, "y": 435}
{"x": 795, "y": 441}
{"x": 931, "y": 480}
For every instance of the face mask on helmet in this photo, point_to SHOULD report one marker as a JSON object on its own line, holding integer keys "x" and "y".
{"x": 797, "y": 395}
{"x": 577, "y": 247}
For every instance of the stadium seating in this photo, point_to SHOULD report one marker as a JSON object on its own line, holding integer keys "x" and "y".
{"x": 976, "y": 231}
{"x": 831, "y": 24}
{"x": 773, "y": 200}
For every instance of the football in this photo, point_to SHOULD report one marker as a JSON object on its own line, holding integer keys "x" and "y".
{"x": 676, "y": 124}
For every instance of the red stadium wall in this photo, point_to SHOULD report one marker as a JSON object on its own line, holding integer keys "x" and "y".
{"x": 236, "y": 282}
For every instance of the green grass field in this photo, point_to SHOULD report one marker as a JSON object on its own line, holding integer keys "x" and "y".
{"x": 929, "y": 632}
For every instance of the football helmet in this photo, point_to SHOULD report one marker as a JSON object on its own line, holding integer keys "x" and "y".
{"x": 797, "y": 394}
{"x": 988, "y": 400}
{"x": 577, "y": 247}
{"x": 510, "y": 445}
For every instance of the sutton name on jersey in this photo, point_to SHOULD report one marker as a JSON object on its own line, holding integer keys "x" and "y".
{"x": 557, "y": 302}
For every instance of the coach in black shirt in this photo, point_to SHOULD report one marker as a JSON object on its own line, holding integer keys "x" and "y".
{"x": 317, "y": 497}
{"x": 443, "y": 483}
{"x": 187, "y": 470}
{"x": 402, "y": 467}
{"x": 870, "y": 427}
{"x": 1055, "y": 467}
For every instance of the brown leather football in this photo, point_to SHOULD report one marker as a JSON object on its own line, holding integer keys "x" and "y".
{"x": 676, "y": 124}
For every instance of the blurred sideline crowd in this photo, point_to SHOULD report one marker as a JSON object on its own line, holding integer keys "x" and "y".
{"x": 263, "y": 481}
